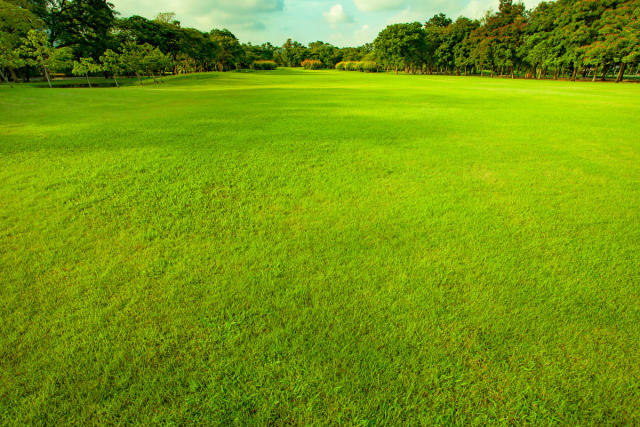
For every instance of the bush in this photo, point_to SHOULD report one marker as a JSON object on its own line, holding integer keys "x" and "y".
{"x": 312, "y": 64}
{"x": 369, "y": 67}
{"x": 264, "y": 65}
{"x": 363, "y": 66}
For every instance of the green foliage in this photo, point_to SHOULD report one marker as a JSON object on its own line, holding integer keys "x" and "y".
{"x": 36, "y": 51}
{"x": 312, "y": 64}
{"x": 296, "y": 248}
{"x": 291, "y": 54}
{"x": 144, "y": 59}
{"x": 264, "y": 65}
{"x": 85, "y": 66}
{"x": 563, "y": 35}
{"x": 82, "y": 25}
{"x": 364, "y": 66}
{"x": 263, "y": 52}
{"x": 402, "y": 46}
{"x": 112, "y": 62}
{"x": 326, "y": 53}
{"x": 192, "y": 49}
{"x": 230, "y": 55}
{"x": 15, "y": 23}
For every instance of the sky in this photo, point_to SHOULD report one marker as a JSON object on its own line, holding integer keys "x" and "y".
{"x": 339, "y": 22}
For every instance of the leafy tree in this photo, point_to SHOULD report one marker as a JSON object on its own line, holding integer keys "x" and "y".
{"x": 480, "y": 48}
{"x": 144, "y": 59}
{"x": 458, "y": 42}
{"x": 618, "y": 38}
{"x": 16, "y": 20}
{"x": 291, "y": 54}
{"x": 541, "y": 49}
{"x": 38, "y": 52}
{"x": 439, "y": 51}
{"x": 84, "y": 67}
{"x": 168, "y": 18}
{"x": 326, "y": 53}
{"x": 230, "y": 54}
{"x": 9, "y": 57}
{"x": 112, "y": 63}
{"x": 83, "y": 25}
{"x": 142, "y": 30}
{"x": 504, "y": 32}
{"x": 132, "y": 58}
{"x": 156, "y": 62}
{"x": 402, "y": 45}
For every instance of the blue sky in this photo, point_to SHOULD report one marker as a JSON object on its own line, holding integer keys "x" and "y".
{"x": 340, "y": 22}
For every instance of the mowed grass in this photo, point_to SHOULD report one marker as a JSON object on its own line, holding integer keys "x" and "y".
{"x": 298, "y": 247}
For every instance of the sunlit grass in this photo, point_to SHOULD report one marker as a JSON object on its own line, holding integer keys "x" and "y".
{"x": 320, "y": 247}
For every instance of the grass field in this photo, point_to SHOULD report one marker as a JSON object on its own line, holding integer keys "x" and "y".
{"x": 320, "y": 248}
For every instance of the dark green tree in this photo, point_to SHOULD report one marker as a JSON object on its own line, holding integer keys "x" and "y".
{"x": 402, "y": 46}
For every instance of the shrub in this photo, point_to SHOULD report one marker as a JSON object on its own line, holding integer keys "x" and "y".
{"x": 312, "y": 64}
{"x": 363, "y": 66}
{"x": 369, "y": 67}
{"x": 264, "y": 65}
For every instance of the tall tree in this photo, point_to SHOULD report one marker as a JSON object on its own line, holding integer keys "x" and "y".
{"x": 38, "y": 52}
{"x": 16, "y": 20}
{"x": 291, "y": 54}
{"x": 83, "y": 25}
{"x": 112, "y": 63}
{"x": 230, "y": 53}
{"x": 402, "y": 45}
{"x": 84, "y": 67}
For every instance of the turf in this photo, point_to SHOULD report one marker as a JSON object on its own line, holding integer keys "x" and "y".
{"x": 299, "y": 247}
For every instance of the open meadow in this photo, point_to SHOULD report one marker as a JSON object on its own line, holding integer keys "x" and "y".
{"x": 320, "y": 247}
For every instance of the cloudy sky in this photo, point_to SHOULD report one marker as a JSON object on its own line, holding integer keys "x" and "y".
{"x": 341, "y": 22}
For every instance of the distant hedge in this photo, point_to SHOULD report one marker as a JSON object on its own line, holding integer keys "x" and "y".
{"x": 264, "y": 65}
{"x": 362, "y": 66}
{"x": 312, "y": 64}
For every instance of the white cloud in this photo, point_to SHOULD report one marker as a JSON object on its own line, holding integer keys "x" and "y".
{"x": 377, "y": 5}
{"x": 250, "y": 6}
{"x": 337, "y": 15}
{"x": 475, "y": 9}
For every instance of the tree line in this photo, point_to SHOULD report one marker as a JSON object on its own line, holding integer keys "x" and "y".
{"x": 559, "y": 39}
{"x": 563, "y": 38}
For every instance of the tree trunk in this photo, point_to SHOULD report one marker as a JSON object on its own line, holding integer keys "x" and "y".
{"x": 115, "y": 78}
{"x": 595, "y": 73}
{"x": 575, "y": 73}
{"x": 604, "y": 73}
{"x": 14, "y": 77}
{"x": 46, "y": 73}
{"x": 88, "y": 81}
{"x": 555, "y": 74}
{"x": 465, "y": 70}
{"x": 513, "y": 76}
{"x": 139, "y": 79}
{"x": 621, "y": 72}
{"x": 5, "y": 78}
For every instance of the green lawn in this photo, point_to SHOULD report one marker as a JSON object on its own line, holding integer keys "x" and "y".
{"x": 299, "y": 247}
